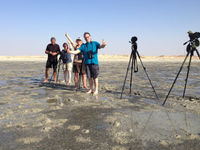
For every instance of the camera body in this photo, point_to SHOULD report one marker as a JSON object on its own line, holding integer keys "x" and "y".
{"x": 62, "y": 56}
{"x": 193, "y": 42}
{"x": 90, "y": 54}
{"x": 133, "y": 39}
{"x": 134, "y": 43}
{"x": 194, "y": 38}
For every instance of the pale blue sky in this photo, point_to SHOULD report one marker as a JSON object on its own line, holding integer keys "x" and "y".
{"x": 161, "y": 25}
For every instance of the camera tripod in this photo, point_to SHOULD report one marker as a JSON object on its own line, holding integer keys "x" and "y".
{"x": 133, "y": 63}
{"x": 57, "y": 76}
{"x": 59, "y": 64}
{"x": 190, "y": 51}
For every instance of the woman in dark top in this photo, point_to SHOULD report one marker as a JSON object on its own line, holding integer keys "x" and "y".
{"x": 67, "y": 64}
{"x": 78, "y": 65}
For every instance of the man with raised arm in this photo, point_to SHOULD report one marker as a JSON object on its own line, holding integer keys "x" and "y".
{"x": 90, "y": 52}
{"x": 78, "y": 65}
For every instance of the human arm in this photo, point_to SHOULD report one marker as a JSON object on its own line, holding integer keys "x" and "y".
{"x": 103, "y": 44}
{"x": 70, "y": 44}
{"x": 49, "y": 52}
{"x": 70, "y": 40}
{"x": 73, "y": 52}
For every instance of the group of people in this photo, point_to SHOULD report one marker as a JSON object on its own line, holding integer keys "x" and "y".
{"x": 85, "y": 61}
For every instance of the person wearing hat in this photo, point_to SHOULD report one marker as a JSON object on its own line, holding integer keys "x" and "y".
{"x": 78, "y": 65}
{"x": 90, "y": 52}
{"x": 52, "y": 51}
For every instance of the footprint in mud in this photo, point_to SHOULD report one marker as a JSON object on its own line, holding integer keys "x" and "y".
{"x": 85, "y": 131}
{"x": 82, "y": 139}
{"x": 53, "y": 100}
{"x": 73, "y": 127}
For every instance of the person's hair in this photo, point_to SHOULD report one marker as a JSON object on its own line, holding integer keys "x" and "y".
{"x": 86, "y": 33}
{"x": 65, "y": 44}
{"x": 53, "y": 38}
{"x": 78, "y": 40}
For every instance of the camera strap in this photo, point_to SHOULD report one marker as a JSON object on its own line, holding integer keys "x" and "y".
{"x": 90, "y": 52}
{"x": 87, "y": 45}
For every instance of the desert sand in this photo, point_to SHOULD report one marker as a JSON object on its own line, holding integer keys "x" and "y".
{"x": 37, "y": 115}
{"x": 102, "y": 58}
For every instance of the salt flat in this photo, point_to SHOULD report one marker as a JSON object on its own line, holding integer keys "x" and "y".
{"x": 34, "y": 115}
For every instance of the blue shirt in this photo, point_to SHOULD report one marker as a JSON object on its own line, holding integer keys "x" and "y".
{"x": 87, "y": 47}
{"x": 66, "y": 57}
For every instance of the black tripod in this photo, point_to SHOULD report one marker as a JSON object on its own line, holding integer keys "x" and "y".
{"x": 133, "y": 63}
{"x": 80, "y": 74}
{"x": 59, "y": 64}
{"x": 191, "y": 48}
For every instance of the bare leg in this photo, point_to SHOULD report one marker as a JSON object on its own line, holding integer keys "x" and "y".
{"x": 84, "y": 81}
{"x": 96, "y": 83}
{"x": 76, "y": 80}
{"x": 46, "y": 74}
{"x": 69, "y": 77}
{"x": 91, "y": 86}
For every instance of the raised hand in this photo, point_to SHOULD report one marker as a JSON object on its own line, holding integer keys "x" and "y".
{"x": 103, "y": 43}
{"x": 67, "y": 35}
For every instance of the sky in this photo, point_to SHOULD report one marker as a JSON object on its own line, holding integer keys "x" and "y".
{"x": 161, "y": 26}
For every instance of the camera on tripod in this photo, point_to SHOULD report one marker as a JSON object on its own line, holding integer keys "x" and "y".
{"x": 194, "y": 37}
{"x": 193, "y": 42}
{"x": 133, "y": 65}
{"x": 134, "y": 44}
{"x": 133, "y": 40}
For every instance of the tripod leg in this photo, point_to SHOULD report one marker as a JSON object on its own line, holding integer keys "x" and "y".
{"x": 51, "y": 78}
{"x": 147, "y": 75}
{"x": 175, "y": 79}
{"x": 198, "y": 53}
{"x": 188, "y": 71}
{"x": 131, "y": 75}
{"x": 126, "y": 74}
{"x": 58, "y": 72}
{"x": 79, "y": 80}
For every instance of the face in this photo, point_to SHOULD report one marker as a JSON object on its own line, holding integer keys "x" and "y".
{"x": 87, "y": 38}
{"x": 53, "y": 41}
{"x": 79, "y": 43}
{"x": 65, "y": 46}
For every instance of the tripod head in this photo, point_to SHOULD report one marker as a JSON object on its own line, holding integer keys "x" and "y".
{"x": 193, "y": 43}
{"x": 134, "y": 43}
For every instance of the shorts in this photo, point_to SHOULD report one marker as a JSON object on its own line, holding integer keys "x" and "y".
{"x": 67, "y": 66}
{"x": 92, "y": 71}
{"x": 79, "y": 68}
{"x": 49, "y": 64}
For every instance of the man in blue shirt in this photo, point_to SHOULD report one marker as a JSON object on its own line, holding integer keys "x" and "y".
{"x": 90, "y": 52}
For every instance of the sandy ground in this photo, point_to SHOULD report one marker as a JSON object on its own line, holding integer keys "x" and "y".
{"x": 102, "y": 58}
{"x": 34, "y": 115}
